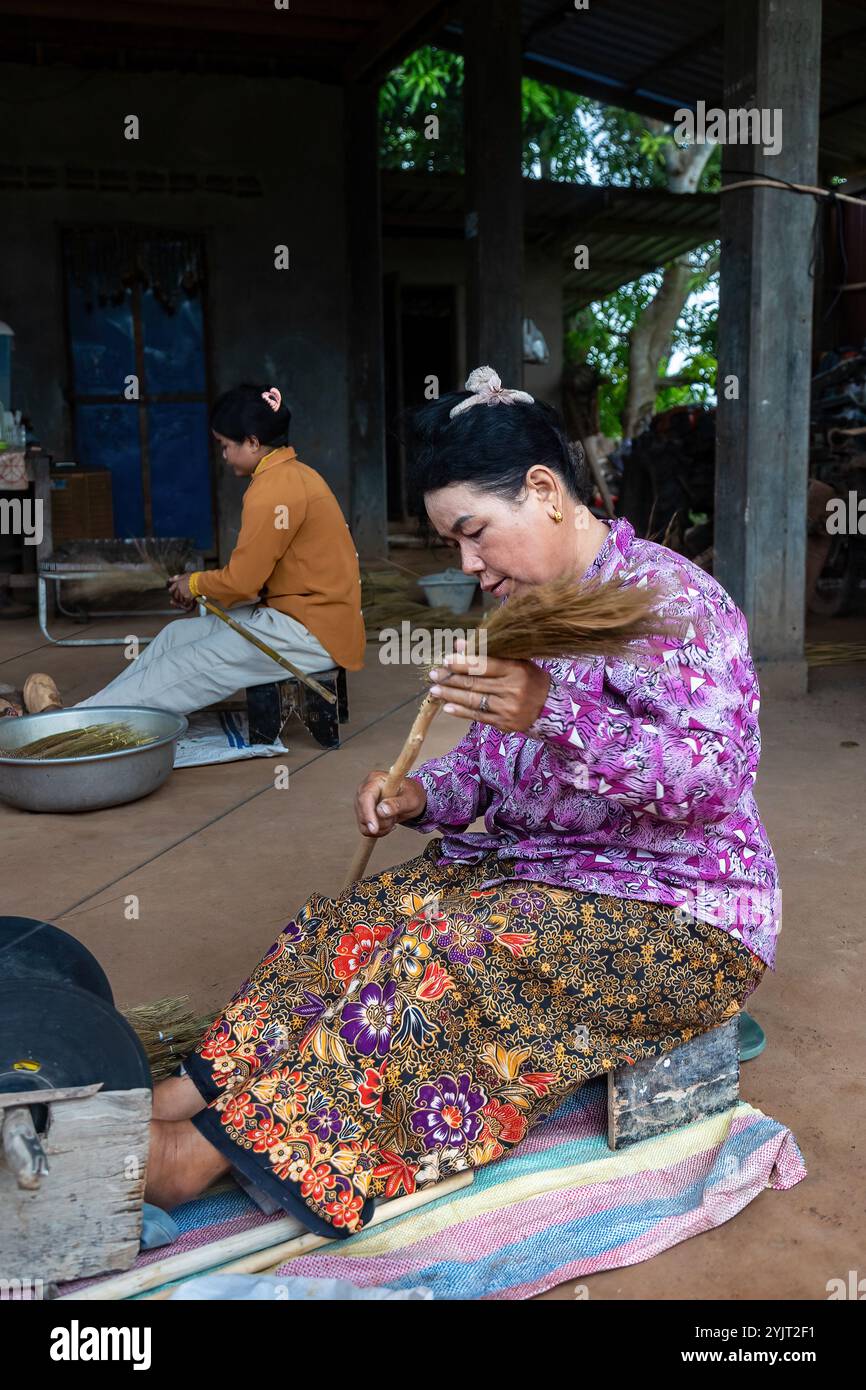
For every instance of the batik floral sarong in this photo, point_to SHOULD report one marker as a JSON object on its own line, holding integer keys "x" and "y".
{"x": 419, "y": 1024}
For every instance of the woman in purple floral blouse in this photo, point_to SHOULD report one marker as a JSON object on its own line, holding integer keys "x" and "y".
{"x": 621, "y": 898}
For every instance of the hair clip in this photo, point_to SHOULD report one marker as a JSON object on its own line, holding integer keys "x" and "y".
{"x": 488, "y": 389}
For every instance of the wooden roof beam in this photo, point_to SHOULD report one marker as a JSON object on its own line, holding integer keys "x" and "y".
{"x": 405, "y": 26}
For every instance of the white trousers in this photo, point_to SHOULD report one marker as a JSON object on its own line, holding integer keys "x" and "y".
{"x": 195, "y": 662}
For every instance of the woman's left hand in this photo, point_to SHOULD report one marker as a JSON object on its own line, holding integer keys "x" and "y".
{"x": 180, "y": 592}
{"x": 510, "y": 695}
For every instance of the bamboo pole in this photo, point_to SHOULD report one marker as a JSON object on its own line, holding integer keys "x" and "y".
{"x": 213, "y": 607}
{"x": 427, "y": 712}
{"x": 268, "y": 1260}
{"x": 249, "y": 1251}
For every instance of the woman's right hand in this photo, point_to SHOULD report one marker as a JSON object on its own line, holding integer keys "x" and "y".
{"x": 375, "y": 819}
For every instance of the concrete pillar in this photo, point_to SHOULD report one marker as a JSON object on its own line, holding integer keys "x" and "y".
{"x": 772, "y": 63}
{"x": 494, "y": 192}
{"x": 365, "y": 337}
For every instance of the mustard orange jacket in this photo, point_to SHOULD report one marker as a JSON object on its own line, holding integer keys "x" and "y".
{"x": 295, "y": 553}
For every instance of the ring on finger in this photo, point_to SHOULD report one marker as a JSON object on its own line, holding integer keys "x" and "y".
{"x": 484, "y": 704}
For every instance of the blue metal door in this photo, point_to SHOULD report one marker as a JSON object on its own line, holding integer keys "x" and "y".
{"x": 139, "y": 388}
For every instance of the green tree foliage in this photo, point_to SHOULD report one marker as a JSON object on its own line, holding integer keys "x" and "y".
{"x": 428, "y": 82}
{"x": 599, "y": 333}
{"x": 569, "y": 138}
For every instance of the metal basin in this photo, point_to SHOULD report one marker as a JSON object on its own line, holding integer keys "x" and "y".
{"x": 86, "y": 784}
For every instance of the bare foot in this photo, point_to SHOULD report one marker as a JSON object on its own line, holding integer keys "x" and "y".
{"x": 176, "y": 1098}
{"x": 8, "y": 710}
{"x": 181, "y": 1164}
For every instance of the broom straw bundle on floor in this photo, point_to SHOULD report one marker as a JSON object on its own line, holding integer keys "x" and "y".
{"x": 560, "y": 619}
{"x": 389, "y": 599}
{"x": 88, "y": 742}
{"x": 169, "y": 1030}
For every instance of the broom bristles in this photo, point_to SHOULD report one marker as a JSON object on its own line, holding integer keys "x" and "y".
{"x": 165, "y": 555}
{"x": 565, "y": 619}
{"x": 86, "y": 742}
{"x": 113, "y": 584}
{"x": 168, "y": 1030}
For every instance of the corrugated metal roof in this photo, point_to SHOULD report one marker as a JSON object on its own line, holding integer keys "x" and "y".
{"x": 315, "y": 38}
{"x": 627, "y": 231}
{"x": 658, "y": 57}
{"x": 653, "y": 56}
{"x": 653, "y": 51}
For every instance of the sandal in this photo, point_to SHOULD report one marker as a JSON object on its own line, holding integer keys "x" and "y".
{"x": 753, "y": 1040}
{"x": 40, "y": 693}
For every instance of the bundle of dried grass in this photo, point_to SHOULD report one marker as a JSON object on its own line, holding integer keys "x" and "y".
{"x": 169, "y": 1030}
{"x": 140, "y": 564}
{"x": 166, "y": 555}
{"x": 389, "y": 599}
{"x": 82, "y": 743}
{"x": 111, "y": 586}
{"x": 561, "y": 619}
{"x": 133, "y": 550}
{"x": 550, "y": 620}
{"x": 834, "y": 653}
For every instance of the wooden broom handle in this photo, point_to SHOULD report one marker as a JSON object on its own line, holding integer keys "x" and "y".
{"x": 427, "y": 712}
{"x": 213, "y": 607}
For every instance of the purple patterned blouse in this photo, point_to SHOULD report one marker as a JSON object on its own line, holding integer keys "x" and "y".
{"x": 636, "y": 779}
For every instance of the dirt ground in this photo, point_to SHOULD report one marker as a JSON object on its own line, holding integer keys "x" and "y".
{"x": 219, "y": 858}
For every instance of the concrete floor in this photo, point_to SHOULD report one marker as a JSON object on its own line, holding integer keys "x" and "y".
{"x": 219, "y": 858}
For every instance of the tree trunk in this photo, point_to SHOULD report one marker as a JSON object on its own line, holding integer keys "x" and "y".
{"x": 650, "y": 339}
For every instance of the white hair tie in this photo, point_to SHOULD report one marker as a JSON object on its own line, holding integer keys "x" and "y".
{"x": 488, "y": 390}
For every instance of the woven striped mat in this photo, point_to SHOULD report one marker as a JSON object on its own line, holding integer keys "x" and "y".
{"x": 561, "y": 1207}
{"x": 564, "y": 1206}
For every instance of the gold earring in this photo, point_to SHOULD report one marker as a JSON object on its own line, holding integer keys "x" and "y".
{"x": 557, "y": 514}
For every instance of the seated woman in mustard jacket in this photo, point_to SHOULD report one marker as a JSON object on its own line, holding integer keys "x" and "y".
{"x": 293, "y": 577}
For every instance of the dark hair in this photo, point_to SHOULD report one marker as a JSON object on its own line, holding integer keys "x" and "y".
{"x": 242, "y": 413}
{"x": 489, "y": 447}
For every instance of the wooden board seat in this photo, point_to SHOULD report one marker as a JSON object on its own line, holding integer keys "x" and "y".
{"x": 269, "y": 706}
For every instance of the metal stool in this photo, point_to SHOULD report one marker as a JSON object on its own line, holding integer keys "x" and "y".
{"x": 269, "y": 706}
{"x": 55, "y": 572}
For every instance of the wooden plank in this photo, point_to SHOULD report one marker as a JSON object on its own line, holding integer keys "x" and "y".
{"x": 15, "y": 1098}
{"x": 772, "y": 63}
{"x": 403, "y": 28}
{"x": 250, "y": 1252}
{"x": 39, "y": 469}
{"x": 197, "y": 19}
{"x": 659, "y": 1094}
{"x": 494, "y": 189}
{"x": 367, "y": 473}
{"x": 85, "y": 1216}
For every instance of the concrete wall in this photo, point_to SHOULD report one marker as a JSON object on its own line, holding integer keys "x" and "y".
{"x": 542, "y": 301}
{"x": 286, "y": 327}
{"x": 437, "y": 261}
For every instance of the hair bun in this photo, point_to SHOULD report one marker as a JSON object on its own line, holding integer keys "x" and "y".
{"x": 577, "y": 454}
{"x": 486, "y": 387}
{"x": 481, "y": 377}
